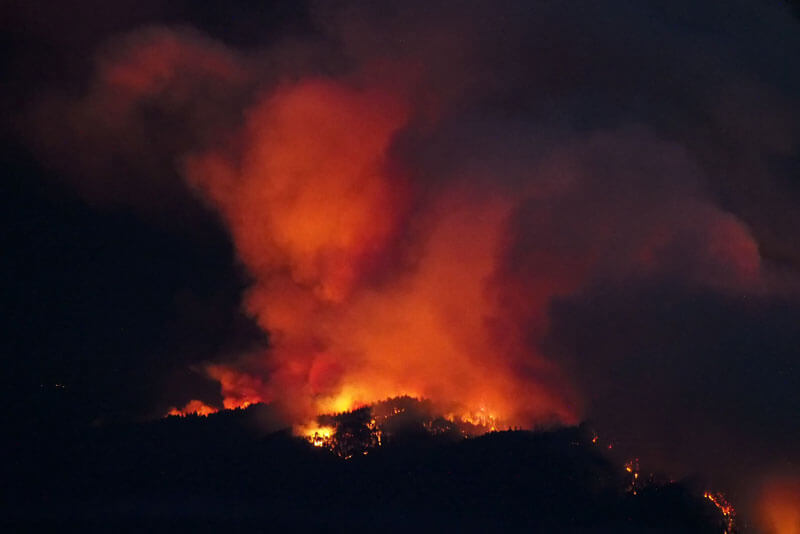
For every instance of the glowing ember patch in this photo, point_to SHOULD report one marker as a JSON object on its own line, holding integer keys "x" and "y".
{"x": 477, "y": 422}
{"x": 725, "y": 508}
{"x": 358, "y": 431}
{"x": 632, "y": 468}
{"x": 319, "y": 436}
{"x": 346, "y": 400}
{"x": 193, "y": 407}
{"x": 238, "y": 404}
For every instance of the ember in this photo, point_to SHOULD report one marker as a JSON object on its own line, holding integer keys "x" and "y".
{"x": 366, "y": 428}
{"x": 725, "y": 508}
{"x": 632, "y": 468}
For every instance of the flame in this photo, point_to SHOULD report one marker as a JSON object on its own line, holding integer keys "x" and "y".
{"x": 632, "y": 468}
{"x": 483, "y": 419}
{"x": 346, "y": 400}
{"x": 317, "y": 435}
{"x": 238, "y": 390}
{"x": 359, "y": 431}
{"x": 377, "y": 274}
{"x": 726, "y": 509}
{"x": 193, "y": 407}
{"x": 376, "y": 277}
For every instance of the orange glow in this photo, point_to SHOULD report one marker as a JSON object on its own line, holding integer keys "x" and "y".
{"x": 359, "y": 305}
{"x": 363, "y": 429}
{"x": 482, "y": 419}
{"x": 377, "y": 270}
{"x": 634, "y": 484}
{"x": 779, "y": 506}
{"x": 193, "y": 407}
{"x": 239, "y": 390}
{"x": 319, "y": 436}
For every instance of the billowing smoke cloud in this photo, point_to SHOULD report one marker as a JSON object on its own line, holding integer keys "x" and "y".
{"x": 367, "y": 291}
{"x": 544, "y": 211}
{"x": 155, "y": 94}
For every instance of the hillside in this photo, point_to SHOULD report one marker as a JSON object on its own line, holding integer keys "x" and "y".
{"x": 224, "y": 471}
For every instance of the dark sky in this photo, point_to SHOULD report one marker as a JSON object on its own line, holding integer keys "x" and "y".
{"x": 674, "y": 117}
{"x": 97, "y": 297}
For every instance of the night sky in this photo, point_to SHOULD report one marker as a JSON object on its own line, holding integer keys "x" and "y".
{"x": 634, "y": 166}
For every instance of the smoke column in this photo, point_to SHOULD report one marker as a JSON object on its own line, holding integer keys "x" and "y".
{"x": 367, "y": 293}
{"x": 496, "y": 208}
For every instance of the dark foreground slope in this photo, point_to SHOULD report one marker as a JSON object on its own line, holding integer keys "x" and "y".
{"x": 220, "y": 474}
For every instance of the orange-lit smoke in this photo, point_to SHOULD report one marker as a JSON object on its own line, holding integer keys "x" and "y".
{"x": 376, "y": 274}
{"x": 779, "y": 506}
{"x": 405, "y": 231}
{"x": 360, "y": 302}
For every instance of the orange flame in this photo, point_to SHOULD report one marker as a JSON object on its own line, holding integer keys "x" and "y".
{"x": 193, "y": 407}
{"x": 317, "y": 435}
{"x": 725, "y": 508}
{"x": 375, "y": 276}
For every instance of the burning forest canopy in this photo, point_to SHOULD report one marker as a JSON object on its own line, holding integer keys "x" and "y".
{"x": 403, "y": 420}
{"x": 394, "y": 466}
{"x": 505, "y": 214}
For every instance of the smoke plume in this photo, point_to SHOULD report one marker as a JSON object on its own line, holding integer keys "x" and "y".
{"x": 499, "y": 208}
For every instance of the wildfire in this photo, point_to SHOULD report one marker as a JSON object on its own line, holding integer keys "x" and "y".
{"x": 360, "y": 303}
{"x": 198, "y": 407}
{"x": 383, "y": 257}
{"x": 632, "y": 468}
{"x": 726, "y": 509}
{"x": 365, "y": 428}
{"x": 193, "y": 407}
{"x": 375, "y": 281}
{"x": 483, "y": 420}
{"x": 319, "y": 436}
{"x": 353, "y": 433}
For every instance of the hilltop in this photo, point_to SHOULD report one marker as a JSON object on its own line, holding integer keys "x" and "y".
{"x": 225, "y": 470}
